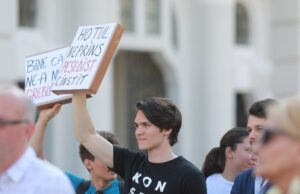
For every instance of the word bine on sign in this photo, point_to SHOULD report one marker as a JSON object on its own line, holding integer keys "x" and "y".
{"x": 42, "y": 71}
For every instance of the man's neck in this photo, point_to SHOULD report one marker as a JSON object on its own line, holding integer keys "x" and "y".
{"x": 99, "y": 183}
{"x": 161, "y": 154}
{"x": 6, "y": 161}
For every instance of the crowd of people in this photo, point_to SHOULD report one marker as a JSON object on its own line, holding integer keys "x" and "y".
{"x": 263, "y": 157}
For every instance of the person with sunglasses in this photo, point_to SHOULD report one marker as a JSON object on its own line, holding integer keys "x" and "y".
{"x": 21, "y": 171}
{"x": 247, "y": 182}
{"x": 279, "y": 153}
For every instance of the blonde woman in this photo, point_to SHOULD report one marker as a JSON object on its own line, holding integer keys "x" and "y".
{"x": 279, "y": 155}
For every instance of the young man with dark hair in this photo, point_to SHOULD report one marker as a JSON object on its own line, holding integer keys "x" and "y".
{"x": 103, "y": 180}
{"x": 247, "y": 182}
{"x": 157, "y": 124}
{"x": 162, "y": 114}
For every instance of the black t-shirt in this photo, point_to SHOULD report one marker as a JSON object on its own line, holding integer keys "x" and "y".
{"x": 178, "y": 176}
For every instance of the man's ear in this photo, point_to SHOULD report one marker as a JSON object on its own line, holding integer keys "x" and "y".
{"x": 229, "y": 153}
{"x": 167, "y": 132}
{"x": 30, "y": 128}
{"x": 88, "y": 164}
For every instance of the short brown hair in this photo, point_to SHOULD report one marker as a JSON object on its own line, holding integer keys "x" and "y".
{"x": 162, "y": 113}
{"x": 85, "y": 154}
{"x": 259, "y": 108}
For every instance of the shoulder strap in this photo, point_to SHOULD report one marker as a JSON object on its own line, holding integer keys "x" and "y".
{"x": 83, "y": 187}
{"x": 121, "y": 186}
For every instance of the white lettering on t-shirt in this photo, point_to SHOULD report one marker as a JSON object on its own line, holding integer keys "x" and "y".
{"x": 136, "y": 177}
{"x": 132, "y": 191}
{"x": 160, "y": 186}
{"x": 147, "y": 181}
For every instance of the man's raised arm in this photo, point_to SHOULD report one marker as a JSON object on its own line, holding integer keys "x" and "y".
{"x": 37, "y": 139}
{"x": 86, "y": 134}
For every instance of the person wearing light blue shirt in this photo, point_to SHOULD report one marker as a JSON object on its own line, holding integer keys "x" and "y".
{"x": 102, "y": 180}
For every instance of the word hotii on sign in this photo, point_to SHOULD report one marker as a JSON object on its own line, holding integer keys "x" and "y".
{"x": 87, "y": 59}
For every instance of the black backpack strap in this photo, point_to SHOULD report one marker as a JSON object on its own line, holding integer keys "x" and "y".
{"x": 121, "y": 186}
{"x": 83, "y": 187}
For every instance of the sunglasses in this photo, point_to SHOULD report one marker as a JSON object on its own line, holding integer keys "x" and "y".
{"x": 4, "y": 123}
{"x": 269, "y": 134}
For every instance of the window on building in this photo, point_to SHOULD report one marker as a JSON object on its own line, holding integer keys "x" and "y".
{"x": 27, "y": 13}
{"x": 174, "y": 27}
{"x": 241, "y": 110}
{"x": 152, "y": 8}
{"x": 127, "y": 15}
{"x": 242, "y": 24}
{"x": 21, "y": 84}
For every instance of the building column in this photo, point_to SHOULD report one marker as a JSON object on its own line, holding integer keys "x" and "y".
{"x": 211, "y": 51}
{"x": 9, "y": 24}
{"x": 285, "y": 47}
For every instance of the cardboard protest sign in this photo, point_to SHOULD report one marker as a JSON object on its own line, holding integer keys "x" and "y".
{"x": 88, "y": 58}
{"x": 41, "y": 73}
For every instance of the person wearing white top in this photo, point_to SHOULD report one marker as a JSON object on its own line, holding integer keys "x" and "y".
{"x": 222, "y": 164}
{"x": 20, "y": 170}
{"x": 216, "y": 183}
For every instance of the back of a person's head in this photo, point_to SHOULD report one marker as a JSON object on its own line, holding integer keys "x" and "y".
{"x": 259, "y": 108}
{"x": 162, "y": 113}
{"x": 215, "y": 160}
{"x": 85, "y": 154}
{"x": 286, "y": 116}
{"x": 23, "y": 102}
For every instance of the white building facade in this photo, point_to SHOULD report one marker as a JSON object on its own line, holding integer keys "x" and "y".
{"x": 213, "y": 58}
